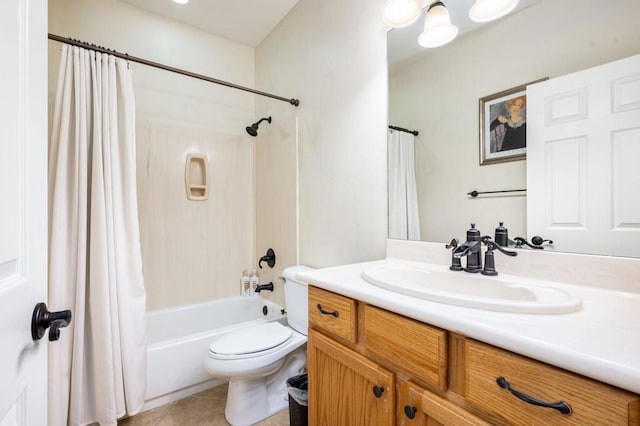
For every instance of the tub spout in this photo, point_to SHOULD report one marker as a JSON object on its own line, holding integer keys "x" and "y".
{"x": 263, "y": 287}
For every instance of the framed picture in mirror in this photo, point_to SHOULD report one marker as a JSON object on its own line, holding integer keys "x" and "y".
{"x": 503, "y": 125}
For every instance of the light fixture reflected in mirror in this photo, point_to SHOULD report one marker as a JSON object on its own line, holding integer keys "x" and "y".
{"x": 438, "y": 29}
{"x": 488, "y": 10}
{"x": 401, "y": 13}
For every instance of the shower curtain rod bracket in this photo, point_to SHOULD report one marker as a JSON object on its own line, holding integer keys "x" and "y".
{"x": 402, "y": 129}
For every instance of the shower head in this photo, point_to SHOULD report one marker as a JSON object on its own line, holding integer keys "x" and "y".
{"x": 253, "y": 129}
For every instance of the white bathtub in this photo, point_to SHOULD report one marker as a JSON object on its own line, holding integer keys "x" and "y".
{"x": 178, "y": 341}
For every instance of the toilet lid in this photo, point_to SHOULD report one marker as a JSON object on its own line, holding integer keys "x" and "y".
{"x": 250, "y": 340}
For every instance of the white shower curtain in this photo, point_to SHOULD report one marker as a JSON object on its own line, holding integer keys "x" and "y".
{"x": 97, "y": 371}
{"x": 404, "y": 221}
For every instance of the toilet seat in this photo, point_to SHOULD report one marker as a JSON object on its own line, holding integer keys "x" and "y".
{"x": 250, "y": 342}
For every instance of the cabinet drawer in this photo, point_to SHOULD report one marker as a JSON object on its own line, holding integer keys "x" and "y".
{"x": 591, "y": 402}
{"x": 418, "y": 349}
{"x": 333, "y": 313}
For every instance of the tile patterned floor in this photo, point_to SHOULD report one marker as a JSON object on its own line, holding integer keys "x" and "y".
{"x": 202, "y": 409}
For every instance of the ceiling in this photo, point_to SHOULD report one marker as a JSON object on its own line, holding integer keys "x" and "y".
{"x": 402, "y": 43}
{"x": 250, "y": 21}
{"x": 244, "y": 21}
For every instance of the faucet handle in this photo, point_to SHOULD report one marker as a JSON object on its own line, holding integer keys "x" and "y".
{"x": 489, "y": 263}
{"x": 453, "y": 244}
{"x": 270, "y": 258}
{"x": 455, "y": 261}
{"x": 538, "y": 241}
{"x": 491, "y": 245}
{"x": 521, "y": 241}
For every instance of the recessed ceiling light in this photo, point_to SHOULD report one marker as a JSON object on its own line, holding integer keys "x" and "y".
{"x": 181, "y": 1}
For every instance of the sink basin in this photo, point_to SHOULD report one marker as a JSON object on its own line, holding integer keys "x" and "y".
{"x": 501, "y": 293}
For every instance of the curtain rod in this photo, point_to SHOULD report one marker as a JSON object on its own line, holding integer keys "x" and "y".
{"x": 476, "y": 193}
{"x": 402, "y": 129}
{"x": 73, "y": 42}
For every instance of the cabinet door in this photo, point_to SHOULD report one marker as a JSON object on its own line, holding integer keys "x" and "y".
{"x": 419, "y": 407}
{"x": 409, "y": 406}
{"x": 345, "y": 388}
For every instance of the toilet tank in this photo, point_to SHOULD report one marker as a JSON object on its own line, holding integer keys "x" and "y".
{"x": 295, "y": 295}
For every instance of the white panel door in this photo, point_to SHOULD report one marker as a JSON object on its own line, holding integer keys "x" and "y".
{"x": 23, "y": 209}
{"x": 583, "y": 160}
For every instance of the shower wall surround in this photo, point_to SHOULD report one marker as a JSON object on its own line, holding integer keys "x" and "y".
{"x": 192, "y": 251}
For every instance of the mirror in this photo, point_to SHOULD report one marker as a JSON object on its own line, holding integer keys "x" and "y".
{"x": 437, "y": 93}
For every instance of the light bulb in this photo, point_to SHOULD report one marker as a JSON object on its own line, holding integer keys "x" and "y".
{"x": 488, "y": 10}
{"x": 400, "y": 13}
{"x": 438, "y": 30}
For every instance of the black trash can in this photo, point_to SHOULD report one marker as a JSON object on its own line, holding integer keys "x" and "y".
{"x": 298, "y": 400}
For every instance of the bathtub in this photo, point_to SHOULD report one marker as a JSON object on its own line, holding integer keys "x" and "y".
{"x": 178, "y": 340}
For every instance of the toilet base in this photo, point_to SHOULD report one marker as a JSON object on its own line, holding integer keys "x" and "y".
{"x": 250, "y": 400}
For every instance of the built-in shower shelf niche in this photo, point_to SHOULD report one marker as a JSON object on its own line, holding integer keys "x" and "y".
{"x": 196, "y": 177}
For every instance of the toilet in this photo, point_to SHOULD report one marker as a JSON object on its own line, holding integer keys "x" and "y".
{"x": 259, "y": 359}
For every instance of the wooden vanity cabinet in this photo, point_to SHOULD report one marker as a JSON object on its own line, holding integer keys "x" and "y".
{"x": 348, "y": 389}
{"x": 590, "y": 402}
{"x": 369, "y": 366}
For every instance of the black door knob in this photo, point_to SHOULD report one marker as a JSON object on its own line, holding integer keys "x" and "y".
{"x": 410, "y": 411}
{"x": 377, "y": 391}
{"x": 43, "y": 319}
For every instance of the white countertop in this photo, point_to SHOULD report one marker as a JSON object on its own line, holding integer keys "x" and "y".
{"x": 601, "y": 341}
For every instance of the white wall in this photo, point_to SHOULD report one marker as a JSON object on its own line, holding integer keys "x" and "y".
{"x": 438, "y": 94}
{"x": 192, "y": 251}
{"x": 331, "y": 54}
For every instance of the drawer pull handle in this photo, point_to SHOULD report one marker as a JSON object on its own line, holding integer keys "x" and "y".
{"x": 410, "y": 411}
{"x": 323, "y": 312}
{"x": 377, "y": 391}
{"x": 561, "y": 406}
